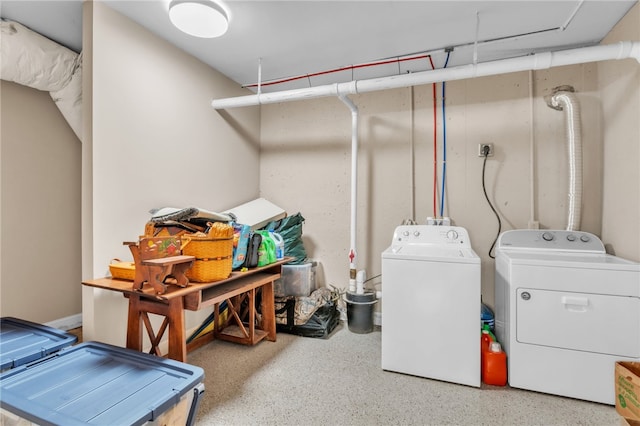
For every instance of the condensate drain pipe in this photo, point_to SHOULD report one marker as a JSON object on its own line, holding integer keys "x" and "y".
{"x": 354, "y": 285}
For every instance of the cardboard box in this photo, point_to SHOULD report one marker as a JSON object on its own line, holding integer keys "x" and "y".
{"x": 627, "y": 386}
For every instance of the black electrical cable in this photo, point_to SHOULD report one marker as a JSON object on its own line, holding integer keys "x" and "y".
{"x": 373, "y": 278}
{"x": 485, "y": 152}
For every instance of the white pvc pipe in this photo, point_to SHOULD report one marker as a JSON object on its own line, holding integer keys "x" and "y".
{"x": 259, "y": 76}
{"x": 538, "y": 61}
{"x": 412, "y": 159}
{"x": 361, "y": 277}
{"x": 354, "y": 193}
{"x": 532, "y": 158}
{"x": 569, "y": 104}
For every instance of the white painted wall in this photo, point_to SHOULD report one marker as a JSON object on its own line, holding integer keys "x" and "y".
{"x": 40, "y": 208}
{"x": 155, "y": 142}
{"x": 619, "y": 86}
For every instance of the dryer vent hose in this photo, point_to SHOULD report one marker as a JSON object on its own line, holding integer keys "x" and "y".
{"x": 566, "y": 101}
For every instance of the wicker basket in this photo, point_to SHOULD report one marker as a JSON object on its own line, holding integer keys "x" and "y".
{"x": 214, "y": 257}
{"x": 122, "y": 270}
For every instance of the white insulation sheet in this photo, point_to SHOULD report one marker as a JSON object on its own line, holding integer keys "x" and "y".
{"x": 32, "y": 60}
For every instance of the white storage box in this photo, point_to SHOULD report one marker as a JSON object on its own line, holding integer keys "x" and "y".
{"x": 257, "y": 213}
{"x": 297, "y": 280}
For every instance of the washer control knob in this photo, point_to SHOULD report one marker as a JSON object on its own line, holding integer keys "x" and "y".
{"x": 571, "y": 237}
{"x": 547, "y": 236}
{"x": 416, "y": 233}
{"x": 585, "y": 238}
{"x": 405, "y": 233}
{"x": 452, "y": 235}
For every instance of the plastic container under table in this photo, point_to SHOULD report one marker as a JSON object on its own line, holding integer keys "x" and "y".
{"x": 22, "y": 342}
{"x": 98, "y": 384}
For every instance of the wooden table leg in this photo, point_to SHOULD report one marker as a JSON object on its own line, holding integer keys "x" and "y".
{"x": 174, "y": 317}
{"x": 177, "y": 338}
{"x": 134, "y": 324}
{"x": 216, "y": 318}
{"x": 252, "y": 314}
{"x": 268, "y": 312}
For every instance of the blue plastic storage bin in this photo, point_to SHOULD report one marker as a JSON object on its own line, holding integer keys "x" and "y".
{"x": 22, "y": 342}
{"x": 98, "y": 384}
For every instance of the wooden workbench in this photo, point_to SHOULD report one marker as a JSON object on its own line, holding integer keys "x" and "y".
{"x": 172, "y": 304}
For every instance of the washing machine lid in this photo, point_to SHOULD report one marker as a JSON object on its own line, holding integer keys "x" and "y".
{"x": 431, "y": 243}
{"x": 431, "y": 253}
{"x": 568, "y": 260}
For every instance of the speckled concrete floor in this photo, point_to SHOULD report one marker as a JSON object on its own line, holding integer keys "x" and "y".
{"x": 339, "y": 381}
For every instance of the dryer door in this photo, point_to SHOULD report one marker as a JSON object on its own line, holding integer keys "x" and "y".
{"x": 579, "y": 321}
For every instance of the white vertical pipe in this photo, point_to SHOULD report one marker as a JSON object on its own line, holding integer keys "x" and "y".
{"x": 354, "y": 192}
{"x": 259, "y": 76}
{"x": 532, "y": 157}
{"x": 475, "y": 43}
{"x": 412, "y": 155}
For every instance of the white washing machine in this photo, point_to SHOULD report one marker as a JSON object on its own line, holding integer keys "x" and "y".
{"x": 431, "y": 304}
{"x": 565, "y": 312}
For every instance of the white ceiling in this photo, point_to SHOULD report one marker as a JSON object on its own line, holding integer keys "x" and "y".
{"x": 297, "y": 38}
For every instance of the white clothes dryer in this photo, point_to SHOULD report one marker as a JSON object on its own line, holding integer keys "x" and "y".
{"x": 431, "y": 304}
{"x": 565, "y": 312}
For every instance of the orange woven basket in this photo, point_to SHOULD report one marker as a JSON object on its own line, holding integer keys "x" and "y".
{"x": 122, "y": 270}
{"x": 214, "y": 257}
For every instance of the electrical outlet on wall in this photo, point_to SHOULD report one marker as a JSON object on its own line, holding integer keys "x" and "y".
{"x": 481, "y": 149}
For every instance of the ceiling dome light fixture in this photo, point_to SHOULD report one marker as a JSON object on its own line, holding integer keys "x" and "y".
{"x": 199, "y": 18}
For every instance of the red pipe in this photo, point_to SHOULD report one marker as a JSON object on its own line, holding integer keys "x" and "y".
{"x": 350, "y": 67}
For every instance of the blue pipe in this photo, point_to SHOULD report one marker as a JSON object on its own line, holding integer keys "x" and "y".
{"x": 444, "y": 142}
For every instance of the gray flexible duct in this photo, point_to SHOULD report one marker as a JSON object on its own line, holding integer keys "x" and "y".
{"x": 567, "y": 102}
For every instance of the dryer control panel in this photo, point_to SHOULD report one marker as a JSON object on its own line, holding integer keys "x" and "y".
{"x": 431, "y": 235}
{"x": 532, "y": 239}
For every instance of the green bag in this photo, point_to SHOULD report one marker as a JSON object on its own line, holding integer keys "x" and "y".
{"x": 290, "y": 229}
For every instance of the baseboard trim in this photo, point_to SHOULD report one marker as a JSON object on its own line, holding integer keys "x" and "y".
{"x": 66, "y": 323}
